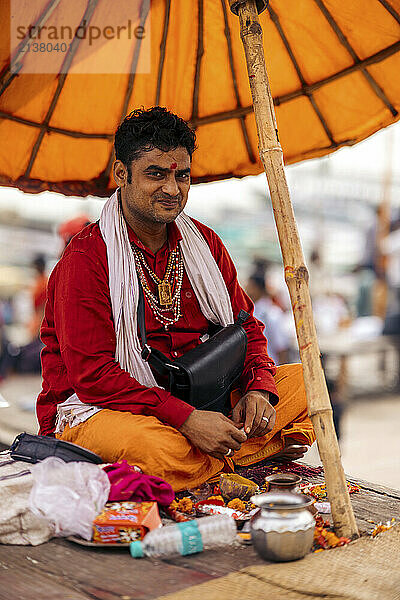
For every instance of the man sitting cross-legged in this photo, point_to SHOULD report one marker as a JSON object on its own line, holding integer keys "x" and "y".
{"x": 97, "y": 390}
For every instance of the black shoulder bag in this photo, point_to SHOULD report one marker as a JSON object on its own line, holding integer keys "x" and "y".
{"x": 204, "y": 376}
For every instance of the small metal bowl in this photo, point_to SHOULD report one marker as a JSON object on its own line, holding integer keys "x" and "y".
{"x": 283, "y": 482}
{"x": 283, "y": 528}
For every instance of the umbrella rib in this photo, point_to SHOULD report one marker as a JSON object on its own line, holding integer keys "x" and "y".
{"x": 276, "y": 21}
{"x": 49, "y": 128}
{"x": 144, "y": 11}
{"x": 390, "y": 9}
{"x": 345, "y": 42}
{"x": 371, "y": 60}
{"x": 4, "y": 79}
{"x": 90, "y": 8}
{"x": 222, "y": 116}
{"x": 163, "y": 46}
{"x": 235, "y": 85}
{"x": 245, "y": 110}
{"x": 199, "y": 56}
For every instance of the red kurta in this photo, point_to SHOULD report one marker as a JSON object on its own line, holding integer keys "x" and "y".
{"x": 79, "y": 335}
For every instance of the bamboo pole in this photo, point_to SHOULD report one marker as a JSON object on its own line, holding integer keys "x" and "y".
{"x": 296, "y": 274}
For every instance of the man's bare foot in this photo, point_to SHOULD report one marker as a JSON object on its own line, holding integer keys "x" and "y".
{"x": 293, "y": 450}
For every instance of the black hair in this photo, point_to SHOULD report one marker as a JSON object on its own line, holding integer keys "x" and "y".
{"x": 258, "y": 280}
{"x": 143, "y": 130}
{"x": 39, "y": 263}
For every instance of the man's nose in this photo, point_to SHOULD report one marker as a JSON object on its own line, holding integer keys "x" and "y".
{"x": 170, "y": 186}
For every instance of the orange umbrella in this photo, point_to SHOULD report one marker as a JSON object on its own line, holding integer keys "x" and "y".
{"x": 333, "y": 68}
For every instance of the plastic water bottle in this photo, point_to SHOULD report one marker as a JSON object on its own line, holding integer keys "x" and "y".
{"x": 188, "y": 537}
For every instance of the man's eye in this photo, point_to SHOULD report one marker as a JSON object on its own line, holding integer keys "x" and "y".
{"x": 183, "y": 176}
{"x": 156, "y": 174}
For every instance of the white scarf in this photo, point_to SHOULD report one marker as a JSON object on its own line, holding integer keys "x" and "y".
{"x": 203, "y": 273}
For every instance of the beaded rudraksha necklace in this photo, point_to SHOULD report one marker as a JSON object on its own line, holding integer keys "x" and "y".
{"x": 168, "y": 288}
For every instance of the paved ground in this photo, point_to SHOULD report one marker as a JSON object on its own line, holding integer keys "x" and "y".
{"x": 370, "y": 445}
{"x": 19, "y": 392}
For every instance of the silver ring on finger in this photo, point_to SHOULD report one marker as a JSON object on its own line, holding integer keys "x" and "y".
{"x": 229, "y": 453}
{"x": 265, "y": 419}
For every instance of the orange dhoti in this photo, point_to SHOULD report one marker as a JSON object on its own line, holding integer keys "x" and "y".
{"x": 161, "y": 450}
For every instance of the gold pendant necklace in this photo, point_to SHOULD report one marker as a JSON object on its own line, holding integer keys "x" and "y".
{"x": 164, "y": 293}
{"x": 168, "y": 289}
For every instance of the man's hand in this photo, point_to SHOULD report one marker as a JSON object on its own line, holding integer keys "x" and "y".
{"x": 213, "y": 433}
{"x": 253, "y": 409}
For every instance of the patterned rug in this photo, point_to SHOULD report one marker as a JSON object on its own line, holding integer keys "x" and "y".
{"x": 258, "y": 472}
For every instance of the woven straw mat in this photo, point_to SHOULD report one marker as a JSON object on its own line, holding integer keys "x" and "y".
{"x": 367, "y": 569}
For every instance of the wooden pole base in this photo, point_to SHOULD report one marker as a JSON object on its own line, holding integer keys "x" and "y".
{"x": 296, "y": 274}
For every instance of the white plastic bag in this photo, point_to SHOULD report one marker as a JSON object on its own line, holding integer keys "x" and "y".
{"x": 68, "y": 495}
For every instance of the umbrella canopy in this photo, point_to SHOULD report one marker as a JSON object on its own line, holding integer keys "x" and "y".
{"x": 333, "y": 69}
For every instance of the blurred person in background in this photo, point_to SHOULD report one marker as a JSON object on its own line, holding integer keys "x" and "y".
{"x": 331, "y": 313}
{"x": 26, "y": 358}
{"x": 370, "y": 275}
{"x": 272, "y": 316}
{"x": 318, "y": 276}
{"x": 329, "y": 307}
{"x": 338, "y": 403}
{"x": 391, "y": 248}
{"x": 39, "y": 291}
{"x": 275, "y": 286}
{"x": 5, "y": 354}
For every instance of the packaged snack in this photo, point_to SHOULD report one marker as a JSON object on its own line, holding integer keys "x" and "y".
{"x": 125, "y": 522}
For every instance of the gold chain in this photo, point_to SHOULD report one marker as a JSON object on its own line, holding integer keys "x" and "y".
{"x": 155, "y": 278}
{"x": 169, "y": 288}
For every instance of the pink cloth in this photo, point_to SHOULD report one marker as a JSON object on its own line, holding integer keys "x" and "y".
{"x": 128, "y": 484}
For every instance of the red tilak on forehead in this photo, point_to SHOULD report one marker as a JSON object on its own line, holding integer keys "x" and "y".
{"x": 173, "y": 166}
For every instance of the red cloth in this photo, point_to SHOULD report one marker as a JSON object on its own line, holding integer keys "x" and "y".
{"x": 79, "y": 335}
{"x": 128, "y": 484}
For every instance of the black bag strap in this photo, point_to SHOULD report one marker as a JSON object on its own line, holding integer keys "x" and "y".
{"x": 242, "y": 317}
{"x": 142, "y": 322}
{"x": 154, "y": 357}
